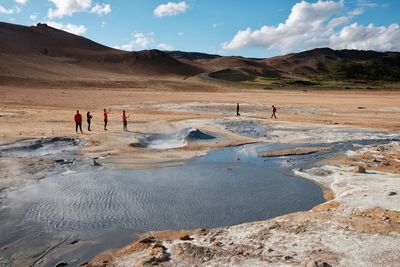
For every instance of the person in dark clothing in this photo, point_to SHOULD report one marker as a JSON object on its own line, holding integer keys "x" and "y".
{"x": 124, "y": 121}
{"x": 105, "y": 119}
{"x": 89, "y": 120}
{"x": 273, "y": 112}
{"x": 237, "y": 110}
{"x": 78, "y": 121}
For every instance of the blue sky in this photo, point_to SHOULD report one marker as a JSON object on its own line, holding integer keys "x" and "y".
{"x": 252, "y": 28}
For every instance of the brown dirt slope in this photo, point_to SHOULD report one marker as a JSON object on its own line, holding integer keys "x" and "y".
{"x": 48, "y": 53}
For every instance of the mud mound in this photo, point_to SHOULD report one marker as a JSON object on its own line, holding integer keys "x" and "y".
{"x": 40, "y": 147}
{"x": 171, "y": 140}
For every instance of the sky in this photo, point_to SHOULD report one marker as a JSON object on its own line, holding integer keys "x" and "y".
{"x": 250, "y": 28}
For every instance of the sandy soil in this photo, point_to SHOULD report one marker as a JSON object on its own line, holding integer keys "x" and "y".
{"x": 358, "y": 227}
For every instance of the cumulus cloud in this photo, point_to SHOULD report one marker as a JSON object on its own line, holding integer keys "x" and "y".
{"x": 69, "y": 7}
{"x": 4, "y": 10}
{"x": 356, "y": 36}
{"x": 21, "y": 2}
{"x": 311, "y": 25}
{"x": 163, "y": 46}
{"x": 33, "y": 17}
{"x": 304, "y": 26}
{"x": 101, "y": 9}
{"x": 71, "y": 28}
{"x": 140, "y": 41}
{"x": 171, "y": 9}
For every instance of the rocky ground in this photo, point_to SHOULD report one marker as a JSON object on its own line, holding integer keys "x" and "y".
{"x": 359, "y": 226}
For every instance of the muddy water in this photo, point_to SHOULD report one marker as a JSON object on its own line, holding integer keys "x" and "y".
{"x": 43, "y": 219}
{"x": 79, "y": 210}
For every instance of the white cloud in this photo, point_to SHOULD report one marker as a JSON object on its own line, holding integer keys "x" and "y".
{"x": 101, "y": 9}
{"x": 21, "y": 2}
{"x": 69, "y": 7}
{"x": 311, "y": 25}
{"x": 356, "y": 36}
{"x": 4, "y": 10}
{"x": 33, "y": 17}
{"x": 71, "y": 28}
{"x": 171, "y": 9}
{"x": 163, "y": 46}
{"x": 304, "y": 26}
{"x": 140, "y": 41}
{"x": 127, "y": 47}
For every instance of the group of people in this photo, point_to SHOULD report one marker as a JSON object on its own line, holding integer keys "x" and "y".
{"x": 78, "y": 120}
{"x": 272, "y": 116}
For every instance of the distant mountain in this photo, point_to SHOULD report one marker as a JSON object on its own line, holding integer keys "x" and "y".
{"x": 45, "y": 52}
{"x": 339, "y": 64}
{"x": 42, "y": 52}
{"x": 190, "y": 55}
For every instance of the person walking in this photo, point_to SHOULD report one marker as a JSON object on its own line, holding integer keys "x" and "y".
{"x": 237, "y": 110}
{"x": 89, "y": 120}
{"x": 106, "y": 119}
{"x": 78, "y": 121}
{"x": 124, "y": 121}
{"x": 273, "y": 112}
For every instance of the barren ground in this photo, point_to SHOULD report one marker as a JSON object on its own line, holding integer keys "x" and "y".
{"x": 359, "y": 226}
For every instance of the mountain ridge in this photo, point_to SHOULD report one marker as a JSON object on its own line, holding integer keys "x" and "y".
{"x": 49, "y": 53}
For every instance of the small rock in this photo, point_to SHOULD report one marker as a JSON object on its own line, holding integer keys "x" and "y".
{"x": 317, "y": 264}
{"x": 95, "y": 163}
{"x": 185, "y": 238}
{"x": 288, "y": 258}
{"x": 147, "y": 240}
{"x": 310, "y": 264}
{"x": 212, "y": 239}
{"x": 74, "y": 242}
{"x": 61, "y": 263}
{"x": 216, "y": 243}
{"x": 270, "y": 250}
{"x": 274, "y": 225}
{"x": 359, "y": 169}
{"x": 391, "y": 194}
{"x": 83, "y": 264}
{"x": 386, "y": 218}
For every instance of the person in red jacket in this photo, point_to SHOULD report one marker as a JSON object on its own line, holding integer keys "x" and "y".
{"x": 105, "y": 119}
{"x": 78, "y": 121}
{"x": 124, "y": 121}
{"x": 273, "y": 112}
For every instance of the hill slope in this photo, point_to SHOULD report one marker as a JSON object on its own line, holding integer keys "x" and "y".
{"x": 42, "y": 51}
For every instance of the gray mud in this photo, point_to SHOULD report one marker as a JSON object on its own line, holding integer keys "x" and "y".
{"x": 250, "y": 128}
{"x": 228, "y": 186}
{"x": 37, "y": 158}
{"x": 75, "y": 214}
{"x": 172, "y": 140}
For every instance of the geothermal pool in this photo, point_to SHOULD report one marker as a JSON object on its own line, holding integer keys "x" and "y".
{"x": 226, "y": 187}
